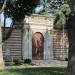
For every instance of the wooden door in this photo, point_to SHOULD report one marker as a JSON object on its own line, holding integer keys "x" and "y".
{"x": 37, "y": 46}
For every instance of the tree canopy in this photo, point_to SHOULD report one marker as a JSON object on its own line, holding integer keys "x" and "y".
{"x": 51, "y": 6}
{"x": 17, "y": 9}
{"x": 61, "y": 16}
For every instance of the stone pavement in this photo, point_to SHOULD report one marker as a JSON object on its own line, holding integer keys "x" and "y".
{"x": 53, "y": 63}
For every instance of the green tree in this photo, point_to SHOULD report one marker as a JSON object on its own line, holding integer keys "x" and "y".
{"x": 61, "y": 16}
{"x": 17, "y": 10}
{"x": 51, "y": 6}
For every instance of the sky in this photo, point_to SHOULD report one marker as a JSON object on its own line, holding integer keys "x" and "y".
{"x": 39, "y": 8}
{"x": 8, "y": 20}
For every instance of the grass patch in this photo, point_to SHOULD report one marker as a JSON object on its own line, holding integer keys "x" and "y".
{"x": 34, "y": 71}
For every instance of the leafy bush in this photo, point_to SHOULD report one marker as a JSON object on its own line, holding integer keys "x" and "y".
{"x": 61, "y": 16}
{"x": 28, "y": 61}
{"x": 66, "y": 59}
{"x": 17, "y": 62}
{"x": 9, "y": 63}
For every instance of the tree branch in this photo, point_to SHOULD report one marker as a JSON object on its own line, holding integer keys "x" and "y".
{"x": 4, "y": 5}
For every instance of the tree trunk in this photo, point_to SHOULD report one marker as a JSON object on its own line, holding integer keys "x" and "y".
{"x": 72, "y": 4}
{"x": 1, "y": 54}
{"x": 71, "y": 37}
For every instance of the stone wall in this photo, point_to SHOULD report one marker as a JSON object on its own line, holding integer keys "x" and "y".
{"x": 60, "y": 44}
{"x": 20, "y": 43}
{"x": 42, "y": 24}
{"x": 12, "y": 47}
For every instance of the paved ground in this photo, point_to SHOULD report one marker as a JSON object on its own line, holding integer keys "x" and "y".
{"x": 53, "y": 63}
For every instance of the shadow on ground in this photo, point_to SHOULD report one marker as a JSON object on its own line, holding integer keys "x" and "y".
{"x": 34, "y": 71}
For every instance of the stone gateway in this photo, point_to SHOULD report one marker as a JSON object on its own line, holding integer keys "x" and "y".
{"x": 37, "y": 38}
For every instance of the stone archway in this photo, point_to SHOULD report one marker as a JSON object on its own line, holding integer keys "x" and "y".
{"x": 37, "y": 46}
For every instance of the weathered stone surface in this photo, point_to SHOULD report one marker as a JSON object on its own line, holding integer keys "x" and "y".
{"x": 42, "y": 24}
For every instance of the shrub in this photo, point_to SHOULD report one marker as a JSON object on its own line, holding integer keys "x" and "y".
{"x": 17, "y": 62}
{"x": 27, "y": 61}
{"x": 9, "y": 63}
{"x": 66, "y": 59}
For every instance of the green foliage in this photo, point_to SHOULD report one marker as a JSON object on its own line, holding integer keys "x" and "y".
{"x": 44, "y": 11}
{"x": 17, "y": 62}
{"x": 65, "y": 9}
{"x": 51, "y": 7}
{"x": 27, "y": 61}
{"x": 60, "y": 20}
{"x": 9, "y": 63}
{"x": 61, "y": 16}
{"x": 54, "y": 5}
{"x": 66, "y": 59}
{"x": 17, "y": 9}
